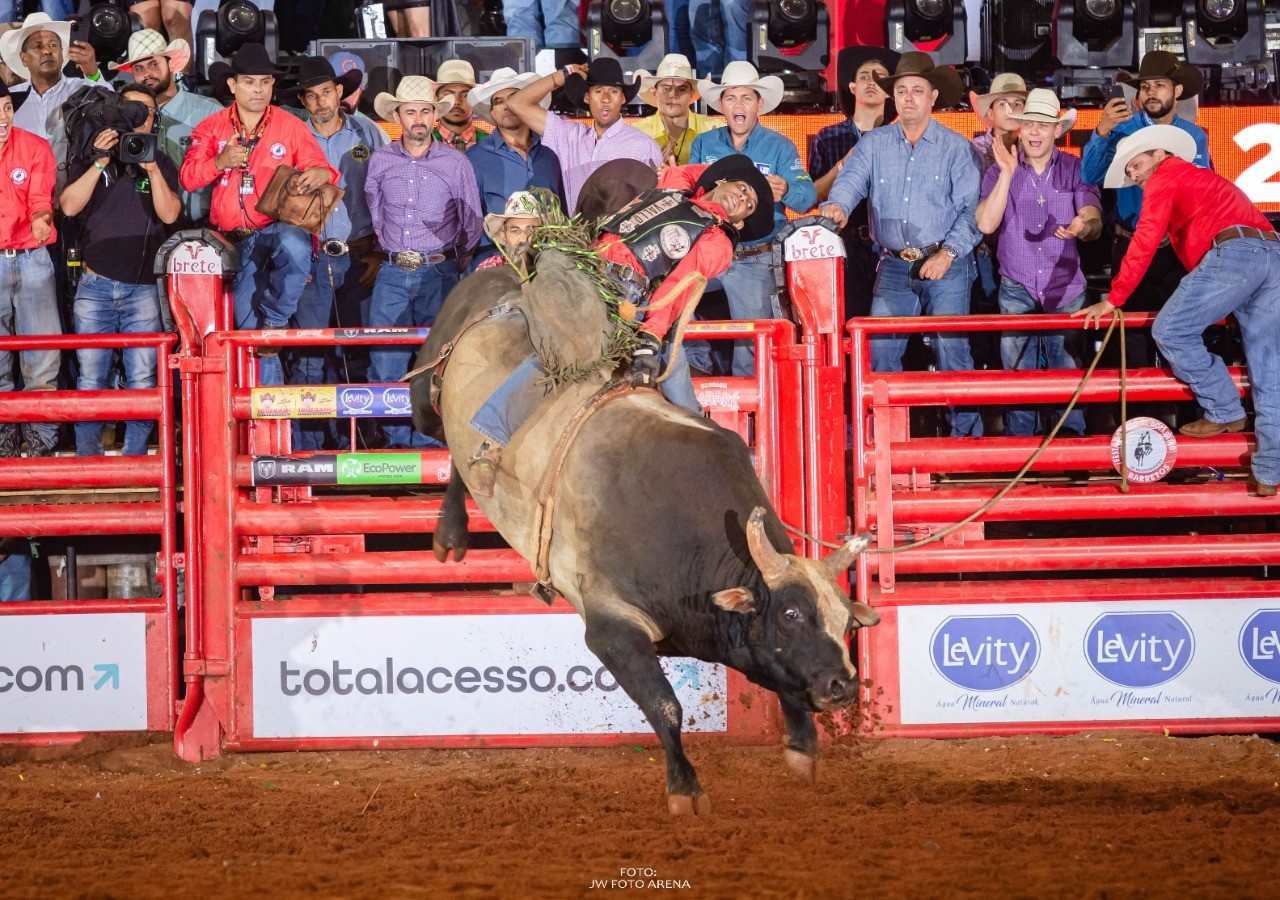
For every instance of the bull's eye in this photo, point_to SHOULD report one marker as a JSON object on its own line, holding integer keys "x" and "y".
{"x": 793, "y": 615}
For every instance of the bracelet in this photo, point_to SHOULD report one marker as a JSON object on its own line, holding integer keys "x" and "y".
{"x": 96, "y": 76}
{"x": 99, "y": 166}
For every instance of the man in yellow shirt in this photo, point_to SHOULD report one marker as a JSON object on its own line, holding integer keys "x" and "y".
{"x": 672, "y": 90}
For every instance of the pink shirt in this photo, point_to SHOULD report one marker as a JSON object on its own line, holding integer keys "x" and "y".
{"x": 581, "y": 153}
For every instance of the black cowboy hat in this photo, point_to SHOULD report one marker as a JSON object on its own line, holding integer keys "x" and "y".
{"x": 850, "y": 60}
{"x": 943, "y": 78}
{"x": 253, "y": 59}
{"x": 316, "y": 70}
{"x": 1163, "y": 64}
{"x": 739, "y": 167}
{"x": 602, "y": 72}
{"x": 613, "y": 186}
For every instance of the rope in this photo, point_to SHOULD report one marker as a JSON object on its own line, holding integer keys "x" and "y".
{"x": 699, "y": 282}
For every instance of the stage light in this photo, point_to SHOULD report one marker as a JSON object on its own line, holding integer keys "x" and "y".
{"x": 222, "y": 32}
{"x": 106, "y": 27}
{"x": 937, "y": 27}
{"x": 1224, "y": 32}
{"x": 1096, "y": 34}
{"x": 634, "y": 32}
{"x": 792, "y": 23}
{"x": 791, "y": 39}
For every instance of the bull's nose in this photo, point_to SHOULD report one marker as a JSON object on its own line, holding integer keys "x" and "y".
{"x": 838, "y": 691}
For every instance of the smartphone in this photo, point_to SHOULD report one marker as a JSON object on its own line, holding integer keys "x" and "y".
{"x": 79, "y": 30}
{"x": 1112, "y": 92}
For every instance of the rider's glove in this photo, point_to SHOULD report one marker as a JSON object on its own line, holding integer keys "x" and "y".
{"x": 646, "y": 362}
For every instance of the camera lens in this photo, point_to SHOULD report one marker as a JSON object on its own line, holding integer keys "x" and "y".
{"x": 133, "y": 145}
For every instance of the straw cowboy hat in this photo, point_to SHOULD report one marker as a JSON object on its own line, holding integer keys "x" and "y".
{"x": 147, "y": 43}
{"x": 1163, "y": 64}
{"x": 1168, "y": 138}
{"x": 673, "y": 65}
{"x": 850, "y": 60}
{"x": 521, "y": 205}
{"x": 943, "y": 78}
{"x": 456, "y": 71}
{"x": 1006, "y": 85}
{"x": 412, "y": 89}
{"x": 743, "y": 74}
{"x": 1043, "y": 106}
{"x": 481, "y": 96}
{"x": 601, "y": 72}
{"x": 12, "y": 41}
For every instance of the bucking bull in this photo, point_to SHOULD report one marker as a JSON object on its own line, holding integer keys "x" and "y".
{"x": 660, "y": 534}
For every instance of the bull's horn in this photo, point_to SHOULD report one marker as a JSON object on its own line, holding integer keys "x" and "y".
{"x": 837, "y": 562}
{"x": 773, "y": 565}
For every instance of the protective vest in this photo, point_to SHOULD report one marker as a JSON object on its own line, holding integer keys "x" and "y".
{"x": 660, "y": 228}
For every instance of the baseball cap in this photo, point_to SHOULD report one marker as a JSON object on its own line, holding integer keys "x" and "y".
{"x": 344, "y": 61}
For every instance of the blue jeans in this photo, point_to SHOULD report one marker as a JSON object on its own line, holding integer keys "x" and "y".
{"x": 274, "y": 264}
{"x": 898, "y": 294}
{"x": 1034, "y": 350}
{"x": 15, "y": 577}
{"x": 1241, "y": 277}
{"x": 679, "y": 39}
{"x": 28, "y": 306}
{"x": 718, "y": 30}
{"x": 748, "y": 285}
{"x": 405, "y": 299}
{"x": 104, "y": 306}
{"x": 551, "y": 23}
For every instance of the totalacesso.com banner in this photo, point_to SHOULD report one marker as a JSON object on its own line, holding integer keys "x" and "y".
{"x": 1080, "y": 662}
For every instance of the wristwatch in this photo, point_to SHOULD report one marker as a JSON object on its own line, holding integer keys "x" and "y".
{"x": 951, "y": 251}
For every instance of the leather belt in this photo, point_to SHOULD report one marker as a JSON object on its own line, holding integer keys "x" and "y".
{"x": 620, "y": 272}
{"x": 1243, "y": 231}
{"x": 914, "y": 254}
{"x": 1123, "y": 232}
{"x": 859, "y": 233}
{"x": 411, "y": 260}
{"x": 11, "y": 254}
{"x": 741, "y": 252}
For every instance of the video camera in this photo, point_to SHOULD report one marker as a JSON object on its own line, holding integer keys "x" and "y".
{"x": 136, "y": 147}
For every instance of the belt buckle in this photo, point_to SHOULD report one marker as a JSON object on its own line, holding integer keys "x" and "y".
{"x": 409, "y": 260}
{"x": 10, "y": 254}
{"x": 240, "y": 234}
{"x": 334, "y": 247}
{"x": 911, "y": 254}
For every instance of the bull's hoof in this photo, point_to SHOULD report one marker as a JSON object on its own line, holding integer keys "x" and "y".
{"x": 442, "y": 543}
{"x": 802, "y": 764}
{"x": 685, "y": 805}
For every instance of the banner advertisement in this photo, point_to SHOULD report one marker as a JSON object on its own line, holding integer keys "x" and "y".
{"x": 293, "y": 402}
{"x": 362, "y": 401}
{"x": 386, "y": 676}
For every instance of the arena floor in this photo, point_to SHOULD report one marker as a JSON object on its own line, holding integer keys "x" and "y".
{"x": 1089, "y": 816}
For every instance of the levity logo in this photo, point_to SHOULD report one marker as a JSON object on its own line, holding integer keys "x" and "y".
{"x": 1260, "y": 643}
{"x": 985, "y": 653}
{"x": 1139, "y": 649}
{"x": 64, "y": 679}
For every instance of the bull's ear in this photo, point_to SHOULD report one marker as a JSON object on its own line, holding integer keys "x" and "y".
{"x": 864, "y": 615}
{"x": 737, "y": 600}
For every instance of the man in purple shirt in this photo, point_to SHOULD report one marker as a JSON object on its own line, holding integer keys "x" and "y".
{"x": 584, "y": 148}
{"x": 1036, "y": 204}
{"x": 425, "y": 208}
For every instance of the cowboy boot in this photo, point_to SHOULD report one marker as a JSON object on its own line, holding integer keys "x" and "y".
{"x": 1261, "y": 488}
{"x": 1204, "y": 428}
{"x": 482, "y": 469}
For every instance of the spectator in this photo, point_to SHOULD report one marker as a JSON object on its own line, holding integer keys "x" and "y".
{"x": 343, "y": 62}
{"x": 429, "y": 232}
{"x": 512, "y": 159}
{"x": 1035, "y": 202}
{"x": 454, "y": 80}
{"x": 408, "y": 18}
{"x": 335, "y": 288}
{"x": 550, "y": 23}
{"x": 154, "y": 63}
{"x": 672, "y": 91}
{"x": 719, "y": 31}
{"x": 28, "y": 296}
{"x": 237, "y": 150}
{"x": 15, "y": 570}
{"x": 584, "y": 148}
{"x": 866, "y": 105}
{"x": 173, "y": 17}
{"x": 742, "y": 97}
{"x": 124, "y": 211}
{"x": 922, "y": 182}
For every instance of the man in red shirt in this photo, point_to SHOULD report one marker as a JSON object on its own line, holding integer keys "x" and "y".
{"x": 238, "y": 150}
{"x": 28, "y": 297}
{"x": 1232, "y": 257}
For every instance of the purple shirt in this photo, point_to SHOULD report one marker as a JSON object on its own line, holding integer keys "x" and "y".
{"x": 581, "y": 153}
{"x": 1047, "y": 266}
{"x": 425, "y": 203}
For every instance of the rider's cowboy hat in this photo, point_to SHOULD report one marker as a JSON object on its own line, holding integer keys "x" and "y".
{"x": 1169, "y": 138}
{"x": 603, "y": 72}
{"x": 412, "y": 89}
{"x": 943, "y": 78}
{"x": 521, "y": 205}
{"x": 1009, "y": 84}
{"x": 738, "y": 167}
{"x": 743, "y": 74}
{"x": 1043, "y": 106}
{"x": 12, "y": 41}
{"x": 673, "y": 65}
{"x": 147, "y": 43}
{"x": 481, "y": 96}
{"x": 1163, "y": 64}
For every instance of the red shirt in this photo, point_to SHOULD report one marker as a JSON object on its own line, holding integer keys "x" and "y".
{"x": 1191, "y": 205}
{"x": 285, "y": 141}
{"x": 27, "y": 173}
{"x": 710, "y": 254}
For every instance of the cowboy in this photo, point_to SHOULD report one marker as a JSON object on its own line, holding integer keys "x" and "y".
{"x": 34, "y": 52}
{"x": 511, "y": 159}
{"x": 455, "y": 79}
{"x": 742, "y": 97}
{"x": 1232, "y": 255}
{"x": 719, "y": 31}
{"x": 238, "y": 150}
{"x": 922, "y": 181}
{"x": 672, "y": 90}
{"x": 154, "y": 62}
{"x": 429, "y": 232}
{"x": 694, "y": 235}
{"x": 1036, "y": 203}
{"x": 28, "y": 293}
{"x": 584, "y": 148}
{"x": 866, "y": 106}
{"x": 511, "y": 230}
{"x": 335, "y": 294}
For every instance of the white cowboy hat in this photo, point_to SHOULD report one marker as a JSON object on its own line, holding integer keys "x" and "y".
{"x": 481, "y": 96}
{"x": 673, "y": 65}
{"x": 743, "y": 74}
{"x": 147, "y": 42}
{"x": 412, "y": 89}
{"x": 521, "y": 205}
{"x": 456, "y": 71}
{"x": 1006, "y": 85}
{"x": 12, "y": 41}
{"x": 1168, "y": 138}
{"x": 1043, "y": 106}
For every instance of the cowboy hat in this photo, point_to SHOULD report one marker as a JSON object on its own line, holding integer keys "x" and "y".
{"x": 1169, "y": 138}
{"x": 1009, "y": 84}
{"x": 316, "y": 70}
{"x": 850, "y": 60}
{"x": 412, "y": 89}
{"x": 481, "y": 96}
{"x": 253, "y": 59}
{"x": 743, "y": 74}
{"x": 943, "y": 78}
{"x": 1163, "y": 64}
{"x": 738, "y": 167}
{"x": 673, "y": 65}
{"x": 12, "y": 41}
{"x": 602, "y": 72}
{"x": 520, "y": 205}
{"x": 147, "y": 43}
{"x": 456, "y": 71}
{"x": 1043, "y": 106}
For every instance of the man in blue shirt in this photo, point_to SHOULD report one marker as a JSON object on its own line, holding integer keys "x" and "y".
{"x": 742, "y": 97}
{"x": 513, "y": 158}
{"x": 922, "y": 181}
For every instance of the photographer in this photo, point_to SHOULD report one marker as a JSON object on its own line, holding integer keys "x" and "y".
{"x": 125, "y": 196}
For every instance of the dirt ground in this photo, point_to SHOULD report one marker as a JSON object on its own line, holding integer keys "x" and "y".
{"x": 1090, "y": 816}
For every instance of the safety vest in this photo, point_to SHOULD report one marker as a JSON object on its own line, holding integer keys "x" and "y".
{"x": 660, "y": 227}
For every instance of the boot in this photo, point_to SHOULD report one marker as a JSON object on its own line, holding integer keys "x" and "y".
{"x": 1261, "y": 489}
{"x": 482, "y": 469}
{"x": 1204, "y": 428}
